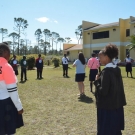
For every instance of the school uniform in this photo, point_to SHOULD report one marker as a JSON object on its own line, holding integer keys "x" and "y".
{"x": 93, "y": 64}
{"x": 128, "y": 64}
{"x": 80, "y": 71}
{"x": 39, "y": 66}
{"x": 14, "y": 64}
{"x": 23, "y": 69}
{"x": 10, "y": 103}
{"x": 110, "y": 99}
{"x": 65, "y": 66}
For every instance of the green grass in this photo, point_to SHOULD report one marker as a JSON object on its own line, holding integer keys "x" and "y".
{"x": 51, "y": 106}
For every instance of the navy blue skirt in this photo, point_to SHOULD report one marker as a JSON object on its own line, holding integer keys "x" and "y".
{"x": 10, "y": 120}
{"x": 110, "y": 122}
{"x": 92, "y": 75}
{"x": 128, "y": 67}
{"x": 80, "y": 77}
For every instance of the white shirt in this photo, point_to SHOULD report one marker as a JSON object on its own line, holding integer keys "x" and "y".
{"x": 128, "y": 59}
{"x": 65, "y": 60}
{"x": 110, "y": 65}
{"x": 80, "y": 68}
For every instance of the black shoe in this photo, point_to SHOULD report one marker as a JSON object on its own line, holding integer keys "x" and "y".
{"x": 67, "y": 76}
{"x": 25, "y": 79}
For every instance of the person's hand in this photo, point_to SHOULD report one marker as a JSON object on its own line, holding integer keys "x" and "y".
{"x": 20, "y": 112}
{"x": 97, "y": 77}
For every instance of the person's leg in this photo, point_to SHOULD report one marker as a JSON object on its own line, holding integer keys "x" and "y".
{"x": 41, "y": 73}
{"x": 21, "y": 74}
{"x": 67, "y": 70}
{"x": 25, "y": 74}
{"x": 131, "y": 74}
{"x": 37, "y": 74}
{"x": 91, "y": 85}
{"x": 80, "y": 87}
{"x": 63, "y": 70}
{"x": 127, "y": 74}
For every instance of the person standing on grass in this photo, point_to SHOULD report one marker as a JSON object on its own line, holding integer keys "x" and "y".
{"x": 14, "y": 64}
{"x": 110, "y": 96}
{"x": 23, "y": 68}
{"x": 80, "y": 73}
{"x": 65, "y": 61}
{"x": 39, "y": 66}
{"x": 10, "y": 105}
{"x": 93, "y": 64}
{"x": 129, "y": 61}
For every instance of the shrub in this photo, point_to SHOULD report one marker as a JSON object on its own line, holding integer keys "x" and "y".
{"x": 56, "y": 62}
{"x": 31, "y": 62}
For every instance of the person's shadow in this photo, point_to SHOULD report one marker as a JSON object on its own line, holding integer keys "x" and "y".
{"x": 86, "y": 99}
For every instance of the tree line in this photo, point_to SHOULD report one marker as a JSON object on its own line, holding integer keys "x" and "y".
{"x": 22, "y": 46}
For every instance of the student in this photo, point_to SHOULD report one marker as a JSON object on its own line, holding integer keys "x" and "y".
{"x": 110, "y": 96}
{"x": 93, "y": 64}
{"x": 80, "y": 73}
{"x": 129, "y": 61}
{"x": 10, "y": 105}
{"x": 39, "y": 66}
{"x": 65, "y": 61}
{"x": 14, "y": 64}
{"x": 23, "y": 68}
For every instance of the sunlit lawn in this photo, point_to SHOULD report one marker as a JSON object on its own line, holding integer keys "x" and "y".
{"x": 51, "y": 105}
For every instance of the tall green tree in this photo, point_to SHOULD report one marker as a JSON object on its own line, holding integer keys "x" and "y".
{"x": 20, "y": 25}
{"x": 131, "y": 46}
{"x": 14, "y": 37}
{"x": 46, "y": 33}
{"x": 68, "y": 39}
{"x": 3, "y": 32}
{"x": 53, "y": 37}
{"x": 78, "y": 33}
{"x": 44, "y": 45}
{"x": 61, "y": 40}
{"x": 38, "y": 34}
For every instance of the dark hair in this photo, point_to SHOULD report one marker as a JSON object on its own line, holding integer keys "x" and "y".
{"x": 110, "y": 50}
{"x": 39, "y": 55}
{"x": 93, "y": 54}
{"x": 81, "y": 58}
{"x": 65, "y": 55}
{"x": 4, "y": 47}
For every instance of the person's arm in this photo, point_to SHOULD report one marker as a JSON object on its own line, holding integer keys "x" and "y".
{"x": 89, "y": 63}
{"x": 104, "y": 87}
{"x": 74, "y": 64}
{"x": 10, "y": 80}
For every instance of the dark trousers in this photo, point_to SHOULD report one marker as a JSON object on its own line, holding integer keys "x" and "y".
{"x": 65, "y": 69}
{"x": 23, "y": 72}
{"x": 39, "y": 73}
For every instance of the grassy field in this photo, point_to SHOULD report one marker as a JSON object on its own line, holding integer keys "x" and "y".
{"x": 51, "y": 105}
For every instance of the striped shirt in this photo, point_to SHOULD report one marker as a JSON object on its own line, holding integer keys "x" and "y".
{"x": 8, "y": 86}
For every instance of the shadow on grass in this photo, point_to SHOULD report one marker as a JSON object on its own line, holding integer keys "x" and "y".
{"x": 86, "y": 99}
{"x": 128, "y": 77}
{"x": 22, "y": 82}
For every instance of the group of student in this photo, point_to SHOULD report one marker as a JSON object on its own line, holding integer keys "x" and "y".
{"x": 109, "y": 93}
{"x": 24, "y": 65}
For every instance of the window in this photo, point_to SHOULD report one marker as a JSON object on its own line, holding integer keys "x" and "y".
{"x": 127, "y": 32}
{"x": 99, "y": 35}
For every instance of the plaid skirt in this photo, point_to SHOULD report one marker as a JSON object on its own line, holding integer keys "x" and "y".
{"x": 10, "y": 120}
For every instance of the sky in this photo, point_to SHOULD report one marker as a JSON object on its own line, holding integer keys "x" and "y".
{"x": 61, "y": 16}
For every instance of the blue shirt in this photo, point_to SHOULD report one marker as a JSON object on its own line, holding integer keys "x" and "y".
{"x": 80, "y": 68}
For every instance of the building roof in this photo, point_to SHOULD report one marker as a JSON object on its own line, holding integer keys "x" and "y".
{"x": 104, "y": 26}
{"x": 76, "y": 47}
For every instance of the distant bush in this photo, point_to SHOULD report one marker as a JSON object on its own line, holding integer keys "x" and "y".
{"x": 56, "y": 61}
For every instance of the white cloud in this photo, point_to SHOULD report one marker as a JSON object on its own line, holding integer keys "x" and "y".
{"x": 56, "y": 21}
{"x": 43, "y": 19}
